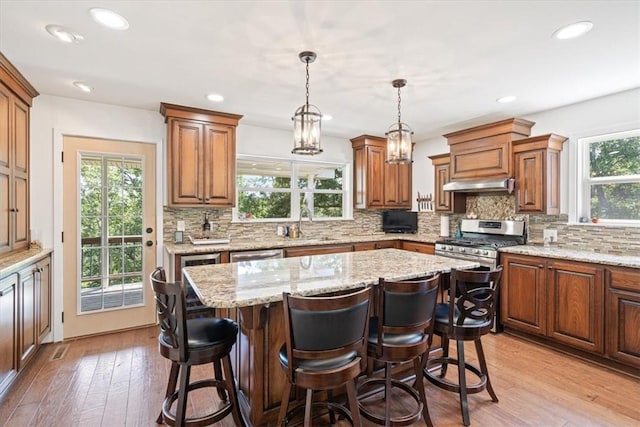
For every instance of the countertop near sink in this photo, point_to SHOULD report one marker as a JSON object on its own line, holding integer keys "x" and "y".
{"x": 574, "y": 255}
{"x": 280, "y": 242}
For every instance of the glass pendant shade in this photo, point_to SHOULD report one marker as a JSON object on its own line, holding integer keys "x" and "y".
{"x": 307, "y": 122}
{"x": 307, "y": 119}
{"x": 399, "y": 144}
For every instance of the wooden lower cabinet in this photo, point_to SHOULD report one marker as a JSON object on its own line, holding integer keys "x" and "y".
{"x": 575, "y": 305}
{"x": 27, "y": 327}
{"x": 8, "y": 329}
{"x": 591, "y": 309}
{"x": 523, "y": 297}
{"x": 25, "y": 317}
{"x": 623, "y": 315}
{"x": 424, "y": 248}
{"x": 387, "y": 244}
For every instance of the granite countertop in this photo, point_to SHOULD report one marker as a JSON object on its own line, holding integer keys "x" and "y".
{"x": 15, "y": 261}
{"x": 276, "y": 242}
{"x": 260, "y": 282}
{"x": 574, "y": 255}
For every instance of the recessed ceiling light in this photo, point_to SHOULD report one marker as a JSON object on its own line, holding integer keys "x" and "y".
{"x": 63, "y": 34}
{"x": 506, "y": 99}
{"x": 214, "y": 97}
{"x": 83, "y": 86}
{"x": 327, "y": 117}
{"x": 573, "y": 30}
{"x": 109, "y": 19}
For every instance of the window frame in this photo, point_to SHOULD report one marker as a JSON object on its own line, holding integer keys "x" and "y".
{"x": 586, "y": 181}
{"x": 296, "y": 192}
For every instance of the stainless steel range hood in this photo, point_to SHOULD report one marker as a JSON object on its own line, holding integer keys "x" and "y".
{"x": 478, "y": 186}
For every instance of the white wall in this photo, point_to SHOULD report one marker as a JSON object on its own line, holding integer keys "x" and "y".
{"x": 616, "y": 112}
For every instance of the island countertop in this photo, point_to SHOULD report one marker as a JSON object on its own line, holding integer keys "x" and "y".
{"x": 253, "y": 283}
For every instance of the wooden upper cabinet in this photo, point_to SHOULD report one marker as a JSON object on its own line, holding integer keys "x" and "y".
{"x": 376, "y": 184}
{"x": 16, "y": 95}
{"x": 537, "y": 174}
{"x": 445, "y": 201}
{"x": 485, "y": 151}
{"x": 200, "y": 156}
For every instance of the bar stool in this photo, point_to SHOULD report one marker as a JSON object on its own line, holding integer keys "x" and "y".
{"x": 189, "y": 342}
{"x": 468, "y": 316}
{"x": 325, "y": 349}
{"x": 401, "y": 331}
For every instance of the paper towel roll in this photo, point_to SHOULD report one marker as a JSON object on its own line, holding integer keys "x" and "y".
{"x": 444, "y": 226}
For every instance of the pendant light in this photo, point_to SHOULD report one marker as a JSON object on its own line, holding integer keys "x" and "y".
{"x": 399, "y": 144}
{"x": 307, "y": 119}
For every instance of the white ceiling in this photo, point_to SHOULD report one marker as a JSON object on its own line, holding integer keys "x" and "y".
{"x": 458, "y": 57}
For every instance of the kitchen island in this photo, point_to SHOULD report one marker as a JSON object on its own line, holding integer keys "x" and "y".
{"x": 251, "y": 293}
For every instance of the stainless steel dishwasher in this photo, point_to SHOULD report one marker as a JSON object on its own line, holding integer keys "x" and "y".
{"x": 255, "y": 255}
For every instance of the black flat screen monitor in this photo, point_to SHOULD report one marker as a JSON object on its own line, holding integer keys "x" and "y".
{"x": 399, "y": 222}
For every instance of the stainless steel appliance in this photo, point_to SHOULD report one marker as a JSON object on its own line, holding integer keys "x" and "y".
{"x": 480, "y": 241}
{"x": 255, "y": 255}
{"x": 199, "y": 259}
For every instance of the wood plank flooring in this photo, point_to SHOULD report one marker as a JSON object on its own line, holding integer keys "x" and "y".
{"x": 119, "y": 380}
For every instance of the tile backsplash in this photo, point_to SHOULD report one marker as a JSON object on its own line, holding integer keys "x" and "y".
{"x": 589, "y": 237}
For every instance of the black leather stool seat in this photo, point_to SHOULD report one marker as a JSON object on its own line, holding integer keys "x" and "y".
{"x": 442, "y": 318}
{"x": 318, "y": 364}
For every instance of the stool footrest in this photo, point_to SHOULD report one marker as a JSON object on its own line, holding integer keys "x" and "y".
{"x": 170, "y": 418}
{"x": 445, "y": 384}
{"x": 397, "y": 421}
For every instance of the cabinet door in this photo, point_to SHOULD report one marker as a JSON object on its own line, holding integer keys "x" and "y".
{"x": 623, "y": 316}
{"x": 21, "y": 174}
{"x": 530, "y": 181}
{"x": 185, "y": 151}
{"x": 443, "y": 198}
{"x": 391, "y": 184}
{"x": 576, "y": 299}
{"x": 8, "y": 328}
{"x": 43, "y": 293}
{"x": 523, "y": 298}
{"x": 387, "y": 244}
{"x": 5, "y": 170}
{"x": 404, "y": 185}
{"x": 218, "y": 165}
{"x": 376, "y": 163}
{"x": 27, "y": 328}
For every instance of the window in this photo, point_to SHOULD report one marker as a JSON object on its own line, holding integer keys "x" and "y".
{"x": 611, "y": 190}
{"x": 279, "y": 189}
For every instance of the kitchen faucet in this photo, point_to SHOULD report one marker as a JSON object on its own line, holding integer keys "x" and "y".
{"x": 309, "y": 215}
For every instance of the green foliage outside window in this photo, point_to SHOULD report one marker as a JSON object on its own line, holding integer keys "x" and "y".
{"x": 613, "y": 196}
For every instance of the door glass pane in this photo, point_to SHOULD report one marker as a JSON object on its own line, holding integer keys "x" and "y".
{"x": 110, "y": 232}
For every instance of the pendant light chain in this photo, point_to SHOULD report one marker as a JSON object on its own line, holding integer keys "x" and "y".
{"x": 399, "y": 100}
{"x": 307, "y": 86}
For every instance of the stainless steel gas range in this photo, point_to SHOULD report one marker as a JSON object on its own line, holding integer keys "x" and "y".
{"x": 481, "y": 240}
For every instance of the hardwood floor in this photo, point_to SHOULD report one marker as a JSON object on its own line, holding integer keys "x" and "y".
{"x": 119, "y": 380}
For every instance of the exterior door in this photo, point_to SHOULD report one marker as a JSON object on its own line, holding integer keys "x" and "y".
{"x": 109, "y": 235}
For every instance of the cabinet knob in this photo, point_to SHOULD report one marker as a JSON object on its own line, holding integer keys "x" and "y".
{"x": 540, "y": 266}
{"x": 13, "y": 210}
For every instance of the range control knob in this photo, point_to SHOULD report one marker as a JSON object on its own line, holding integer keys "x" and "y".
{"x": 475, "y": 251}
{"x": 462, "y": 250}
{"x": 485, "y": 252}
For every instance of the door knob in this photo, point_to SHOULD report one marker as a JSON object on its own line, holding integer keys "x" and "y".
{"x": 149, "y": 230}
{"x": 149, "y": 243}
